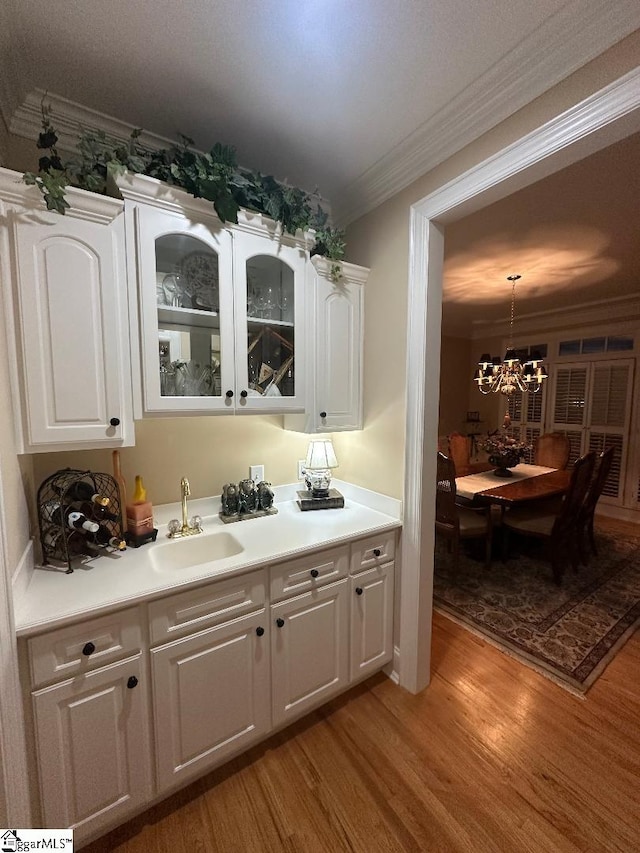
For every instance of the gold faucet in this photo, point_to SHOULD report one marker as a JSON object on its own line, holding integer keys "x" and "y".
{"x": 186, "y": 528}
{"x": 185, "y": 491}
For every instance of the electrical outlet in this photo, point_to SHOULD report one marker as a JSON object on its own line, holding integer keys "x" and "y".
{"x": 256, "y": 472}
{"x": 301, "y": 469}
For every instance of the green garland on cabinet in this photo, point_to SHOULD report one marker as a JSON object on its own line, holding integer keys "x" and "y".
{"x": 213, "y": 175}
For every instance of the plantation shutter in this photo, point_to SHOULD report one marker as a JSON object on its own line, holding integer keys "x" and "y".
{"x": 570, "y": 405}
{"x": 525, "y": 411}
{"x": 592, "y": 405}
{"x": 609, "y": 415}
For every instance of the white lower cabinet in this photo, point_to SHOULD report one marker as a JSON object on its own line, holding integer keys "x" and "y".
{"x": 371, "y": 620}
{"x": 210, "y": 697}
{"x": 224, "y": 665}
{"x": 309, "y": 650}
{"x": 92, "y": 746}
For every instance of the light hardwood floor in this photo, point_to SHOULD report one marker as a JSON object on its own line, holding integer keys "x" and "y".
{"x": 490, "y": 757}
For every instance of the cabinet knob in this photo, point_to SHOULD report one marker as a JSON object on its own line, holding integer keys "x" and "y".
{"x": 243, "y": 393}
{"x": 314, "y": 573}
{"x": 229, "y": 394}
{"x": 359, "y": 590}
{"x": 259, "y": 630}
{"x": 377, "y": 552}
{"x": 88, "y": 649}
{"x": 115, "y": 421}
{"x": 323, "y": 415}
{"x": 131, "y": 682}
{"x": 280, "y": 623}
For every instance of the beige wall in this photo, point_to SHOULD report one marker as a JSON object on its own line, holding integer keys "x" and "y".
{"x": 455, "y": 384}
{"x": 209, "y": 451}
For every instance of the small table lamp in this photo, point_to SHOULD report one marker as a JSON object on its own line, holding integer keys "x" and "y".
{"x": 321, "y": 458}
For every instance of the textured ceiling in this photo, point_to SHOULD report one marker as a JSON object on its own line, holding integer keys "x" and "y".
{"x": 573, "y": 237}
{"x": 345, "y": 95}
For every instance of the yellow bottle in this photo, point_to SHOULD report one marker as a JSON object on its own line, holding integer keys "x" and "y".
{"x": 139, "y": 511}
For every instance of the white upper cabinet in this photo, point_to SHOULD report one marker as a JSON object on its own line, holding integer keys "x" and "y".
{"x": 335, "y": 333}
{"x": 221, "y": 307}
{"x": 66, "y": 310}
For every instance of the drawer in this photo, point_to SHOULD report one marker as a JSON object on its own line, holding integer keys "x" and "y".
{"x": 373, "y": 551}
{"x": 305, "y": 573}
{"x": 84, "y": 646}
{"x": 196, "y": 609}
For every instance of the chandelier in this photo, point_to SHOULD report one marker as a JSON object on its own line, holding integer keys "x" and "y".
{"x": 510, "y": 375}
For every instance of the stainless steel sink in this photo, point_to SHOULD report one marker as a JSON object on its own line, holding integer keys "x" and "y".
{"x": 199, "y": 550}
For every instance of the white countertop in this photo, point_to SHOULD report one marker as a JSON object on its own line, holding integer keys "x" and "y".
{"x": 53, "y": 598}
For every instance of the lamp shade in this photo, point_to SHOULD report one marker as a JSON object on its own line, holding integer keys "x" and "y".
{"x": 320, "y": 455}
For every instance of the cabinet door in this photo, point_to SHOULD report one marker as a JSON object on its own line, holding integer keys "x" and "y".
{"x": 335, "y": 336}
{"x": 74, "y": 347}
{"x": 210, "y": 696}
{"x": 309, "y": 650}
{"x": 92, "y": 745}
{"x": 186, "y": 312}
{"x": 269, "y": 285}
{"x": 371, "y": 620}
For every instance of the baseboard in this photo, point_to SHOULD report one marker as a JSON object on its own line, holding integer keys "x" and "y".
{"x": 392, "y": 669}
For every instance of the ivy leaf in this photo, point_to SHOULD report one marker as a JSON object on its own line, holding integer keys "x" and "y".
{"x": 227, "y": 208}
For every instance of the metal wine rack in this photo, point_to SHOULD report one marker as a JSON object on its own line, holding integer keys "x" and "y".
{"x": 59, "y": 542}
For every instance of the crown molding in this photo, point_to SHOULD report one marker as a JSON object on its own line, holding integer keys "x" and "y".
{"x": 82, "y": 204}
{"x": 596, "y": 313}
{"x": 563, "y": 43}
{"x": 349, "y": 273}
{"x": 142, "y": 189}
{"x": 70, "y": 119}
{"x": 542, "y": 151}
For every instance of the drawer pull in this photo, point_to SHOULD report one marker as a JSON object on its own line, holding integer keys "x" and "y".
{"x": 359, "y": 590}
{"x": 132, "y": 682}
{"x": 323, "y": 415}
{"x": 259, "y": 630}
{"x": 314, "y": 573}
{"x": 377, "y": 552}
{"x": 88, "y": 649}
{"x": 280, "y": 623}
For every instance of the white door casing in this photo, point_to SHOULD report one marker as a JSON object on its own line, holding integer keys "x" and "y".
{"x": 601, "y": 119}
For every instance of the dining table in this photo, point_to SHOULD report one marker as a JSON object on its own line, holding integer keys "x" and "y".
{"x": 527, "y": 483}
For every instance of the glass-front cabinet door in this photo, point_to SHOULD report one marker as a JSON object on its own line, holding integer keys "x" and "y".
{"x": 186, "y": 312}
{"x": 269, "y": 287}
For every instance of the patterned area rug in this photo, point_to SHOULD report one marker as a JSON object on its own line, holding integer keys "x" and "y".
{"x": 568, "y": 632}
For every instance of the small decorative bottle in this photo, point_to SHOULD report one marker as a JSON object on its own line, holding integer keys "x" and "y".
{"x": 139, "y": 512}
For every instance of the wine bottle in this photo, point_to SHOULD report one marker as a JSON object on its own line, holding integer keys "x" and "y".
{"x": 55, "y": 542}
{"x": 80, "y": 490}
{"x": 98, "y": 512}
{"x": 79, "y": 521}
{"x": 68, "y": 517}
{"x": 103, "y": 536}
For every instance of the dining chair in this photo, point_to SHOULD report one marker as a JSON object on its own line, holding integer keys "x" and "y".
{"x": 558, "y": 529}
{"x": 586, "y": 536}
{"x": 458, "y": 522}
{"x": 552, "y": 450}
{"x": 459, "y": 450}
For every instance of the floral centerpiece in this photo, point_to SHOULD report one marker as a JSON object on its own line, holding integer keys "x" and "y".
{"x": 504, "y": 451}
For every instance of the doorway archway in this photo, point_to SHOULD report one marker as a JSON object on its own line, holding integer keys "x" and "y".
{"x": 600, "y": 120}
